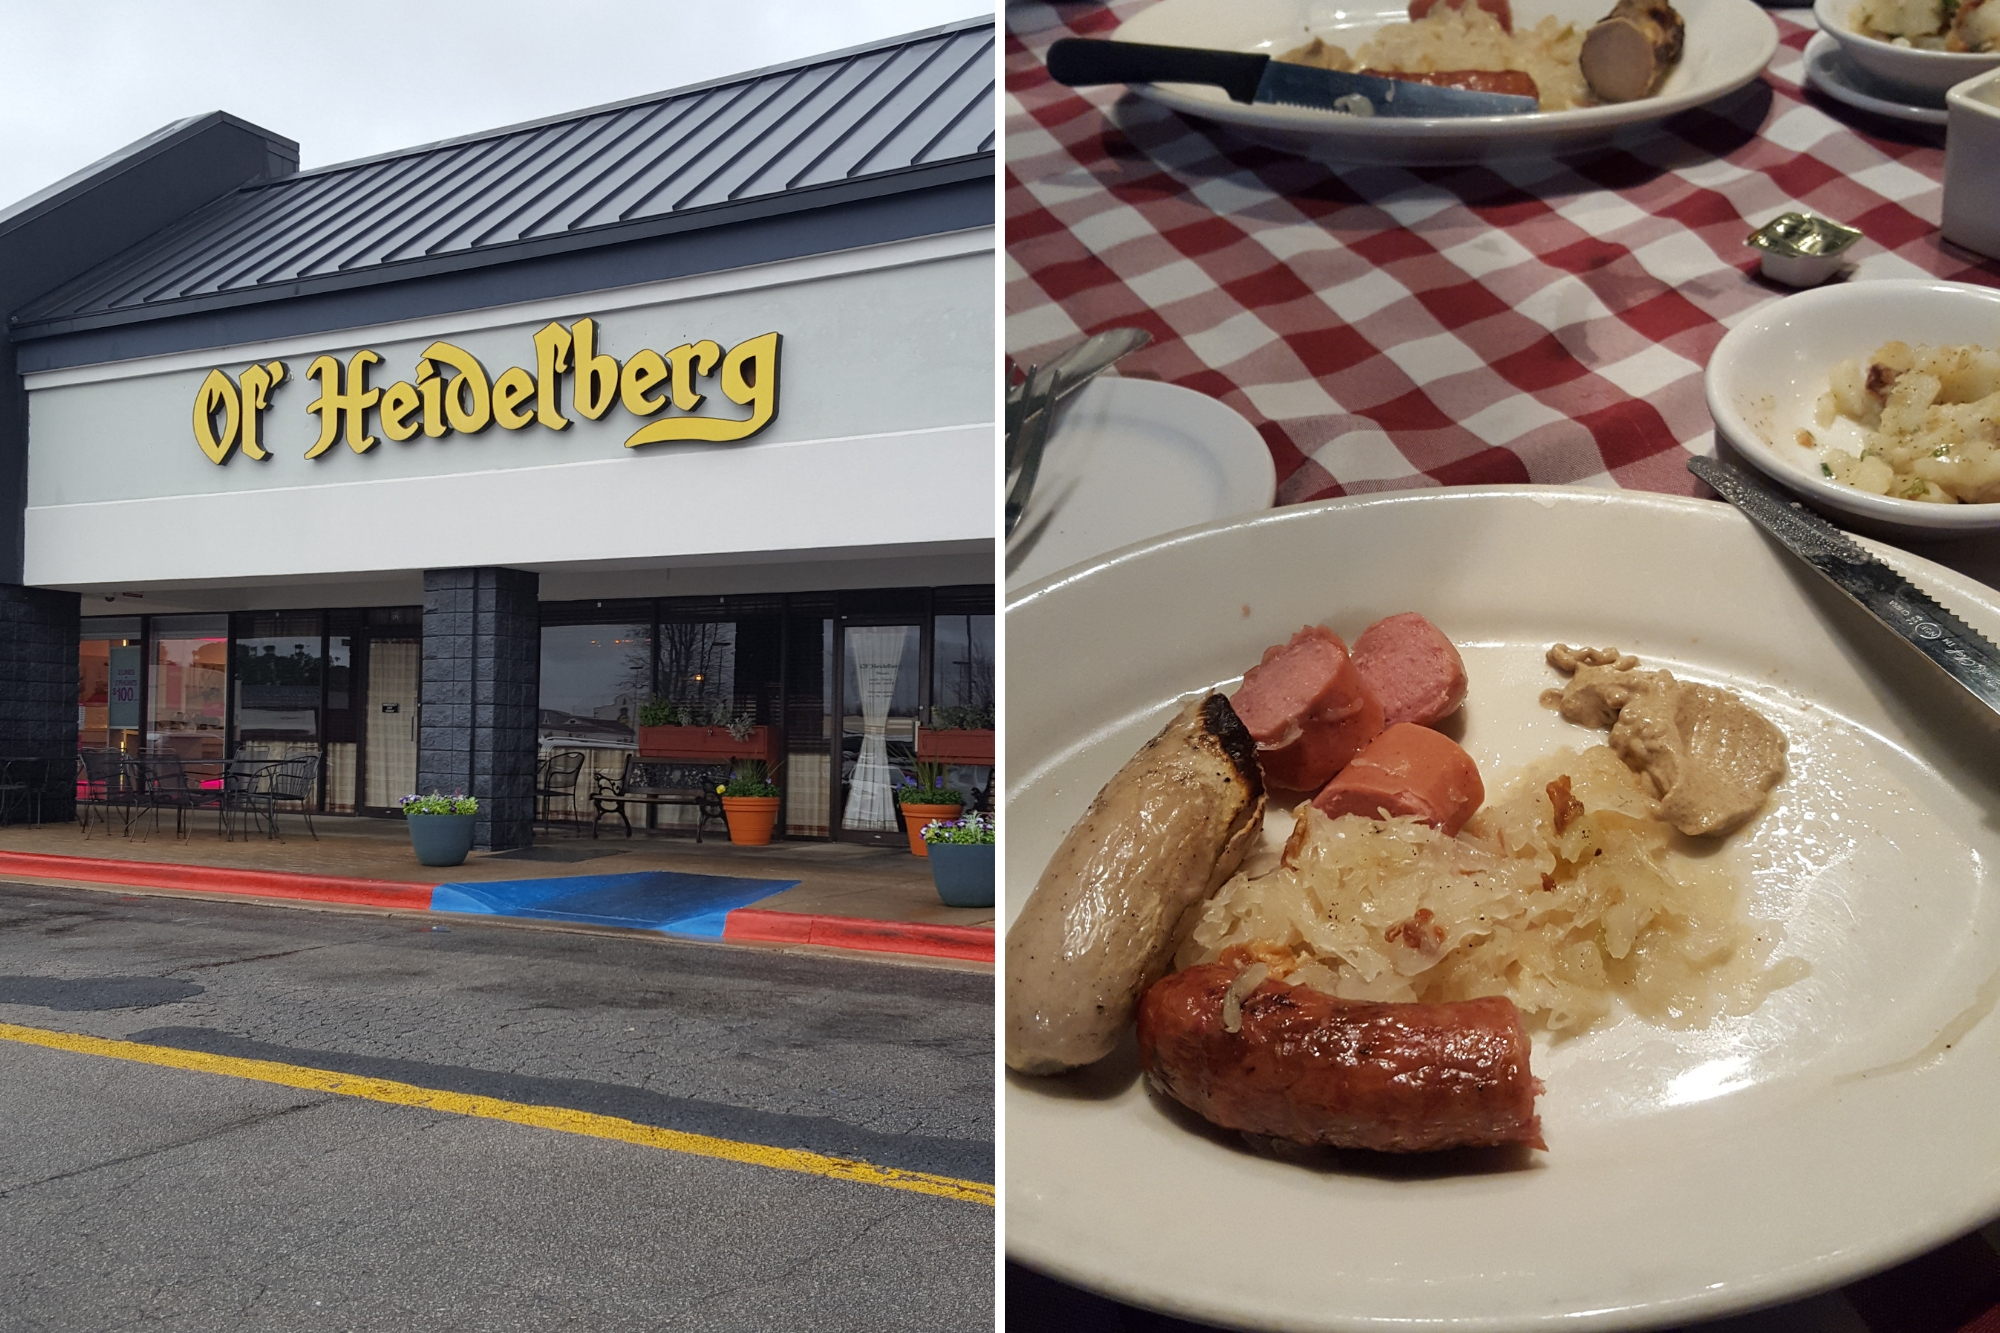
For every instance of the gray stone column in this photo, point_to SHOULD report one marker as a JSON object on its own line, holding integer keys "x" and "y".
{"x": 482, "y": 686}
{"x": 38, "y": 684}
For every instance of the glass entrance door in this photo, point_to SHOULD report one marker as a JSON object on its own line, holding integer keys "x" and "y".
{"x": 880, "y": 682}
{"x": 389, "y": 721}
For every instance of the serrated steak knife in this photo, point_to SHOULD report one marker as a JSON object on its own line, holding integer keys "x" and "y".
{"x": 1964, "y": 654}
{"x": 1249, "y": 77}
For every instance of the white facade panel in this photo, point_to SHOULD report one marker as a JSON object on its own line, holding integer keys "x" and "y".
{"x": 883, "y": 436}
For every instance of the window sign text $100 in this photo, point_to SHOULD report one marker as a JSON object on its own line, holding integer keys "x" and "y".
{"x": 452, "y": 393}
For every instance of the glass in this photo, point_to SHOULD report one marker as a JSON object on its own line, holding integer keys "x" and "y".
{"x": 698, "y": 667}
{"x": 107, "y": 696}
{"x": 189, "y": 669}
{"x": 595, "y": 679}
{"x": 808, "y": 726}
{"x": 962, "y": 672}
{"x": 280, "y": 671}
{"x": 878, "y": 729}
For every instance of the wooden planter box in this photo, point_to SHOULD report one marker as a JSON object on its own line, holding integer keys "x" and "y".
{"x": 704, "y": 744}
{"x": 955, "y": 747}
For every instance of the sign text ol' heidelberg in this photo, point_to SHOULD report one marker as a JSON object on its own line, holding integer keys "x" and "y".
{"x": 459, "y": 397}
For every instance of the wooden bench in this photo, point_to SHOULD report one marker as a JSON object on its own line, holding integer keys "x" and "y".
{"x": 657, "y": 782}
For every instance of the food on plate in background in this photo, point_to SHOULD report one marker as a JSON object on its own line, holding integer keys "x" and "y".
{"x": 1475, "y": 46}
{"x": 1932, "y": 422}
{"x": 1930, "y": 25}
{"x": 1368, "y": 991}
{"x": 1628, "y": 53}
{"x": 1710, "y": 758}
{"x": 1114, "y": 901}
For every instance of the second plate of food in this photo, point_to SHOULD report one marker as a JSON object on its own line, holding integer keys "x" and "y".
{"x": 1692, "y": 1169}
{"x": 1727, "y": 44}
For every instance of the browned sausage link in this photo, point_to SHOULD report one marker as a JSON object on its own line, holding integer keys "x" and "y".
{"x": 1317, "y": 1070}
{"x": 1513, "y": 82}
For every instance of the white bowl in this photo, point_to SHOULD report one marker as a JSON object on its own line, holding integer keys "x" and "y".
{"x": 1767, "y": 374}
{"x": 1908, "y": 67}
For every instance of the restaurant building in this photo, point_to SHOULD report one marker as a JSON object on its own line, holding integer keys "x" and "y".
{"x": 436, "y": 463}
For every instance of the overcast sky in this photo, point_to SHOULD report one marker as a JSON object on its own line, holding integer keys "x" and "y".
{"x": 356, "y": 77}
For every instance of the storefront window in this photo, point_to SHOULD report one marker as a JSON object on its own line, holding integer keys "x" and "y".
{"x": 188, "y": 663}
{"x": 280, "y": 672}
{"x": 595, "y": 679}
{"x": 109, "y": 656}
{"x": 962, "y": 672}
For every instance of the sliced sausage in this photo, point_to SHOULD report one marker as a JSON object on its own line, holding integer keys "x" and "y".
{"x": 1126, "y": 884}
{"x": 1309, "y": 709}
{"x": 1499, "y": 9}
{"x": 1412, "y": 668}
{"x": 1513, "y": 82}
{"x": 1307, "y": 1067}
{"x": 1409, "y": 770}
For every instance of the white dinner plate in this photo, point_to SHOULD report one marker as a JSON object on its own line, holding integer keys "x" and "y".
{"x": 1131, "y": 459}
{"x": 1728, "y": 44}
{"x": 1829, "y": 70}
{"x": 1845, "y": 1125}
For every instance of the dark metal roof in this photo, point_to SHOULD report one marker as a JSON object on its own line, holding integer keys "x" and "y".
{"x": 897, "y": 115}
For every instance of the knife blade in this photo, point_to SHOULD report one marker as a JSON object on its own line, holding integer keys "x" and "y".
{"x": 1912, "y": 615}
{"x": 1250, "y": 77}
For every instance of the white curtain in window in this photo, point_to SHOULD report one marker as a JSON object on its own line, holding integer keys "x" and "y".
{"x": 877, "y": 651}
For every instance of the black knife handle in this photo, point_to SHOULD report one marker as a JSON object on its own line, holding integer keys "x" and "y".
{"x": 1077, "y": 60}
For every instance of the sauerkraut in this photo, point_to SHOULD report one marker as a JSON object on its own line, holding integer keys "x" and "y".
{"x": 1563, "y": 894}
{"x": 1467, "y": 38}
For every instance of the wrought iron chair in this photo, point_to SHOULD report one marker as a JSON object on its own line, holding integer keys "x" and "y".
{"x": 22, "y": 782}
{"x": 556, "y": 781}
{"x": 166, "y": 785}
{"x": 293, "y": 781}
{"x": 100, "y": 781}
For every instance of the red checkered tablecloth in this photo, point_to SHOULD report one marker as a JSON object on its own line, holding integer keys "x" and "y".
{"x": 1386, "y": 328}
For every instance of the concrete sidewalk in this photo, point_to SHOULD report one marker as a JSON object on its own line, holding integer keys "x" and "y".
{"x": 841, "y": 895}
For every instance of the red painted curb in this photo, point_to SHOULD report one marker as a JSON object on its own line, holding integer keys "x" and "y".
{"x": 974, "y": 943}
{"x": 214, "y": 879}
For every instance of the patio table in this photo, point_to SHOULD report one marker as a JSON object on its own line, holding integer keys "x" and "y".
{"x": 1390, "y": 328}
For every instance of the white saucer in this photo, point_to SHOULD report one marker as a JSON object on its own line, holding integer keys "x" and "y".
{"x": 1828, "y": 70}
{"x": 1132, "y": 459}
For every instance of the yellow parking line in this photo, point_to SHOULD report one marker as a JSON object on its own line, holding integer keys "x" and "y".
{"x": 492, "y": 1108}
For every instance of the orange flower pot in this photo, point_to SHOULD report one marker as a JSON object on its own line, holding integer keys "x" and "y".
{"x": 751, "y": 819}
{"x": 916, "y": 816}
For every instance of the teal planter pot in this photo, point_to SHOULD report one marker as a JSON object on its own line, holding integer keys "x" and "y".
{"x": 963, "y": 873}
{"x": 441, "y": 840}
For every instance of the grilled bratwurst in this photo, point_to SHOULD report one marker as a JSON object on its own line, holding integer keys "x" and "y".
{"x": 1126, "y": 884}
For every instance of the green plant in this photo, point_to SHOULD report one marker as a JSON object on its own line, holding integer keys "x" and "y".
{"x": 742, "y": 725}
{"x": 662, "y": 713}
{"x": 928, "y": 788}
{"x": 456, "y": 804}
{"x": 749, "y": 778}
{"x": 969, "y": 831}
{"x": 948, "y": 718}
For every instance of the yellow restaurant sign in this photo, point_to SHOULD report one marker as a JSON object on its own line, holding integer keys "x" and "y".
{"x": 461, "y": 398}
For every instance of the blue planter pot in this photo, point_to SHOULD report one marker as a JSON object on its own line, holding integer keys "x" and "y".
{"x": 963, "y": 873}
{"x": 441, "y": 840}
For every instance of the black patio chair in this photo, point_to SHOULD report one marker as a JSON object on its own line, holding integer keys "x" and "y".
{"x": 555, "y": 780}
{"x": 101, "y": 784}
{"x": 292, "y": 782}
{"x": 165, "y": 784}
{"x": 22, "y": 784}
